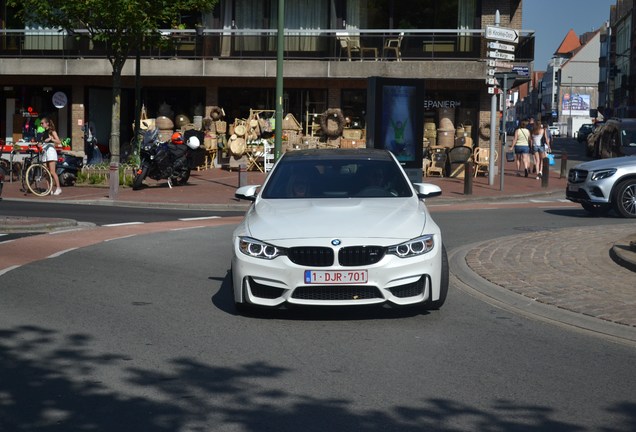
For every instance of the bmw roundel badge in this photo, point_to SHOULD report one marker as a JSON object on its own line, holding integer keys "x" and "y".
{"x": 335, "y": 242}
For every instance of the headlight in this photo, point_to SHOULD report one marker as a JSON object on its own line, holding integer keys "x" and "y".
{"x": 257, "y": 249}
{"x": 417, "y": 246}
{"x": 599, "y": 175}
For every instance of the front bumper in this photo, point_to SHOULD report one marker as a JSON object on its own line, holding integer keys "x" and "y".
{"x": 393, "y": 280}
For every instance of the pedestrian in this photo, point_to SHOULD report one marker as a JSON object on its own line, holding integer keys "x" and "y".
{"x": 540, "y": 147}
{"x": 521, "y": 147}
{"x": 49, "y": 140}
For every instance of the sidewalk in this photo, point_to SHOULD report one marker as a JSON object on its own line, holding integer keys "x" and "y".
{"x": 576, "y": 285}
{"x": 214, "y": 189}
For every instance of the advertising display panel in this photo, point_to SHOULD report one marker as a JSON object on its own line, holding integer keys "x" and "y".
{"x": 395, "y": 120}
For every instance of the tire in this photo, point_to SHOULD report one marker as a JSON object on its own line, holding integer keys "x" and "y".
{"x": 139, "y": 178}
{"x": 443, "y": 288}
{"x": 11, "y": 175}
{"x": 596, "y": 209}
{"x": 39, "y": 180}
{"x": 625, "y": 198}
{"x": 182, "y": 179}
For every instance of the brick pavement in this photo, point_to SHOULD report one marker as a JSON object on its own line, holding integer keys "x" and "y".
{"x": 569, "y": 268}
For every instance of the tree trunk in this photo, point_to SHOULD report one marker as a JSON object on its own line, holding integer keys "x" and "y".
{"x": 115, "y": 134}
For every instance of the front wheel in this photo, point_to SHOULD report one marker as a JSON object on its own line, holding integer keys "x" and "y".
{"x": 39, "y": 180}
{"x": 443, "y": 285}
{"x": 139, "y": 177}
{"x": 625, "y": 199}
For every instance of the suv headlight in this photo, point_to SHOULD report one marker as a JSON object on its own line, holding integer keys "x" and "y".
{"x": 602, "y": 174}
{"x": 417, "y": 246}
{"x": 258, "y": 249}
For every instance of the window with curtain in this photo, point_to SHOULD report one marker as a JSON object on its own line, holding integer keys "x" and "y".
{"x": 302, "y": 15}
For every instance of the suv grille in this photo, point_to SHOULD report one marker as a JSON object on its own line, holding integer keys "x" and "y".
{"x": 360, "y": 255}
{"x": 311, "y": 256}
{"x": 577, "y": 176}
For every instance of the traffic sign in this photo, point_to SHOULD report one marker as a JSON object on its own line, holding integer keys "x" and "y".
{"x": 502, "y": 34}
{"x": 490, "y": 72}
{"x": 492, "y": 81}
{"x": 521, "y": 70}
{"x": 500, "y": 55}
{"x": 493, "y": 90}
{"x": 501, "y": 46}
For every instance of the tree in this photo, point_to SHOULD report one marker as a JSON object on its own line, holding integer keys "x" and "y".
{"x": 121, "y": 25}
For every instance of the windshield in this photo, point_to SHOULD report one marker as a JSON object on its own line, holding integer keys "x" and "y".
{"x": 628, "y": 138}
{"x": 336, "y": 178}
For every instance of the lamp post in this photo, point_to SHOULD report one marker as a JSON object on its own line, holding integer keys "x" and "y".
{"x": 570, "y": 103}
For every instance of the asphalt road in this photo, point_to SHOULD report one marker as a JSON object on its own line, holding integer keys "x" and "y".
{"x": 140, "y": 334}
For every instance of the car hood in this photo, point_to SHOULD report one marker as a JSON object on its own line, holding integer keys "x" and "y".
{"x": 599, "y": 164}
{"x": 394, "y": 218}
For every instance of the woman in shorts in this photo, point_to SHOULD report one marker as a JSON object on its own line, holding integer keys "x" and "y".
{"x": 49, "y": 141}
{"x": 521, "y": 146}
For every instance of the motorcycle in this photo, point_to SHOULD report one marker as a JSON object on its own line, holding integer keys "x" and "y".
{"x": 67, "y": 167}
{"x": 165, "y": 160}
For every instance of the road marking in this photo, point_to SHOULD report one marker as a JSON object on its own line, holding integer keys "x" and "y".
{"x": 118, "y": 238}
{"x": 8, "y": 269}
{"x": 200, "y": 218}
{"x": 187, "y": 228}
{"x": 123, "y": 224}
{"x": 57, "y": 254}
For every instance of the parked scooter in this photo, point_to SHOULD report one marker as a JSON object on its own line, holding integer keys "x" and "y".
{"x": 67, "y": 167}
{"x": 165, "y": 160}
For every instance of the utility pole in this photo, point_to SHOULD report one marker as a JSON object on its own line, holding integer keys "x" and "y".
{"x": 280, "y": 47}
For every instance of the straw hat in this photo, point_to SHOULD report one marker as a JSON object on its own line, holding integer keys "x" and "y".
{"x": 239, "y": 130}
{"x": 237, "y": 146}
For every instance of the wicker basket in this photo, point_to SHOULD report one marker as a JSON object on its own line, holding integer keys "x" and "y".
{"x": 446, "y": 118}
{"x": 210, "y": 142}
{"x": 446, "y": 137}
{"x": 163, "y": 122}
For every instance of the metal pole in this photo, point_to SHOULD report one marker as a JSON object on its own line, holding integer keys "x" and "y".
{"x": 503, "y": 141}
{"x": 493, "y": 126}
{"x": 280, "y": 47}
{"x": 571, "y": 121}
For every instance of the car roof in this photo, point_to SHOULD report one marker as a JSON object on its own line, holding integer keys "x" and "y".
{"x": 337, "y": 153}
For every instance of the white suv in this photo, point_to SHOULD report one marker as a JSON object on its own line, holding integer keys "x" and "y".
{"x": 605, "y": 184}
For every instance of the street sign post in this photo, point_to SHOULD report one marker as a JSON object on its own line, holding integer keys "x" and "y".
{"x": 502, "y": 34}
{"x": 501, "y": 46}
{"x": 501, "y": 55}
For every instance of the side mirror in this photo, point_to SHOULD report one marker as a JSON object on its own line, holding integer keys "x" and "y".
{"x": 427, "y": 190}
{"x": 247, "y": 192}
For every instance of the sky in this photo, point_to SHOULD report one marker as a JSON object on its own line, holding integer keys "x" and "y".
{"x": 552, "y": 19}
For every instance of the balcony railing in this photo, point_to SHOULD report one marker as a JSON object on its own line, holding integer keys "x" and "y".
{"x": 323, "y": 45}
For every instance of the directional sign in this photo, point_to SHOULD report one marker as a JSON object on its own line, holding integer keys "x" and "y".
{"x": 493, "y": 90}
{"x": 492, "y": 81}
{"x": 521, "y": 70}
{"x": 502, "y": 34}
{"x": 491, "y": 72}
{"x": 501, "y": 46}
{"x": 500, "y": 55}
{"x": 500, "y": 65}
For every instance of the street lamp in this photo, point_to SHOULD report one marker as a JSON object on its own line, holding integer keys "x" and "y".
{"x": 570, "y": 101}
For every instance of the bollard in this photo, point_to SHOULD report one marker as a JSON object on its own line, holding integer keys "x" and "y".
{"x": 546, "y": 173}
{"x": 242, "y": 179}
{"x": 468, "y": 178}
{"x": 564, "y": 165}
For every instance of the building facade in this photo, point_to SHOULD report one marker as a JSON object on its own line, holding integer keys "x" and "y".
{"x": 332, "y": 48}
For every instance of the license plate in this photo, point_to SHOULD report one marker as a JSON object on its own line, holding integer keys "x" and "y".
{"x": 324, "y": 277}
{"x": 573, "y": 188}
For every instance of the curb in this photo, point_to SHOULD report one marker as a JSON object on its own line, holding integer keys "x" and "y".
{"x": 472, "y": 283}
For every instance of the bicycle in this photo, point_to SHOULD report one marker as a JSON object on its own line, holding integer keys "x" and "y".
{"x": 35, "y": 176}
